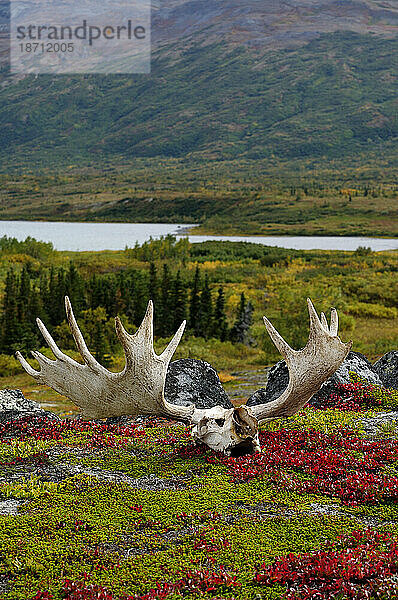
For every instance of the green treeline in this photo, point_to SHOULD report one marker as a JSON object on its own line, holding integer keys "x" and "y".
{"x": 30, "y": 246}
{"x": 221, "y": 288}
{"x": 177, "y": 297}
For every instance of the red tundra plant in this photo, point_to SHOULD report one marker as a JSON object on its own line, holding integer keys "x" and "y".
{"x": 362, "y": 566}
{"x": 39, "y": 457}
{"x": 354, "y": 396}
{"x": 192, "y": 582}
{"x": 85, "y": 591}
{"x": 102, "y": 433}
{"x": 81, "y": 590}
{"x": 338, "y": 464}
{"x": 43, "y": 428}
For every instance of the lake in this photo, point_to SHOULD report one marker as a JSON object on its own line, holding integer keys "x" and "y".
{"x": 116, "y": 236}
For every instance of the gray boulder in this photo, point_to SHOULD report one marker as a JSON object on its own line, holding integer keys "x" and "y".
{"x": 387, "y": 369}
{"x": 382, "y": 423}
{"x": 195, "y": 381}
{"x": 278, "y": 379}
{"x": 358, "y": 363}
{"x": 15, "y": 400}
{"x": 277, "y": 382}
{"x": 14, "y": 405}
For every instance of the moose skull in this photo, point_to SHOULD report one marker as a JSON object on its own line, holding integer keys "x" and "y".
{"x": 230, "y": 430}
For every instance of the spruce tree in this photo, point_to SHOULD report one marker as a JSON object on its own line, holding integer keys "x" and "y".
{"x": 206, "y": 311}
{"x": 220, "y": 318}
{"x": 140, "y": 297}
{"x": 44, "y": 296}
{"x": 108, "y": 288}
{"x": 60, "y": 291}
{"x": 10, "y": 324}
{"x": 153, "y": 283}
{"x": 101, "y": 344}
{"x": 153, "y": 294}
{"x": 28, "y": 310}
{"x": 240, "y": 330}
{"x": 166, "y": 319}
{"x": 75, "y": 289}
{"x": 52, "y": 299}
{"x": 179, "y": 302}
{"x": 130, "y": 295}
{"x": 32, "y": 336}
{"x": 93, "y": 294}
{"x": 236, "y": 334}
{"x": 194, "y": 303}
{"x": 24, "y": 296}
{"x": 120, "y": 294}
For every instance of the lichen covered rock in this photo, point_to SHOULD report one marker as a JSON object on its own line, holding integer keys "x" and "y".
{"x": 191, "y": 381}
{"x": 277, "y": 382}
{"x": 14, "y": 405}
{"x": 387, "y": 369}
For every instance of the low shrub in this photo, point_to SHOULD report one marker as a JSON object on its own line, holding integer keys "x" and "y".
{"x": 357, "y": 396}
{"x": 361, "y": 566}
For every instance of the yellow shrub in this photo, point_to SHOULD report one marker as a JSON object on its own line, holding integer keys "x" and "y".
{"x": 364, "y": 309}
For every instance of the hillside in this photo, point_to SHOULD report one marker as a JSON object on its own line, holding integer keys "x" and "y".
{"x": 335, "y": 96}
{"x": 309, "y": 85}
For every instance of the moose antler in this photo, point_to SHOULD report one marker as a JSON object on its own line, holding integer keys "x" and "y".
{"x": 139, "y": 388}
{"x": 308, "y": 368}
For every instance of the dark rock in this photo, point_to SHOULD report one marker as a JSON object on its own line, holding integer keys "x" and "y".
{"x": 277, "y": 382}
{"x": 191, "y": 381}
{"x": 278, "y": 379}
{"x": 355, "y": 362}
{"x": 14, "y": 405}
{"x": 387, "y": 369}
{"x": 381, "y": 424}
{"x": 15, "y": 400}
{"x": 358, "y": 363}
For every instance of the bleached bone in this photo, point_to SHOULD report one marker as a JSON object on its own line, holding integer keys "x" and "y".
{"x": 139, "y": 388}
{"x": 308, "y": 368}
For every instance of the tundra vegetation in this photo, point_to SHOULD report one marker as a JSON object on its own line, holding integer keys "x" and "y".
{"x": 268, "y": 197}
{"x": 134, "y": 510}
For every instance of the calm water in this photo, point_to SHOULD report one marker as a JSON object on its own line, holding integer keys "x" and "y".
{"x": 116, "y": 236}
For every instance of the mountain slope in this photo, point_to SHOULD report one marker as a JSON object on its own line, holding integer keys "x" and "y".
{"x": 334, "y": 96}
{"x": 313, "y": 79}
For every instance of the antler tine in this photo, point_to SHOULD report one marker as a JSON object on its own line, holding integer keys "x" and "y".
{"x": 79, "y": 341}
{"x": 139, "y": 353}
{"x": 142, "y": 339}
{"x": 27, "y": 367}
{"x": 283, "y": 347}
{"x": 324, "y": 322}
{"x": 308, "y": 368}
{"x": 53, "y": 346}
{"x": 145, "y": 330}
{"x": 167, "y": 354}
{"x": 334, "y": 322}
{"x": 43, "y": 360}
{"x": 315, "y": 324}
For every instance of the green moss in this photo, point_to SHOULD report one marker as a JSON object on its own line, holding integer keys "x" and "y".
{"x": 42, "y": 545}
{"x": 322, "y": 420}
{"x": 128, "y": 536}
